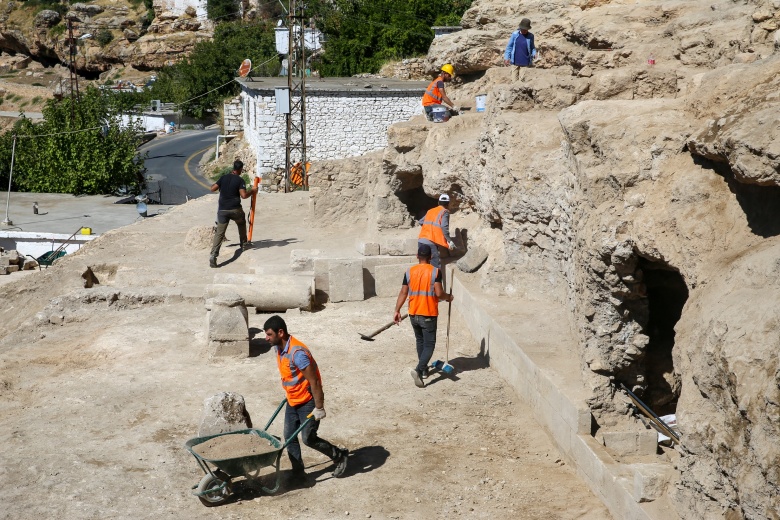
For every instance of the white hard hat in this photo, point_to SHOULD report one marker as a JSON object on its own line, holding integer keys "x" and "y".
{"x": 444, "y": 197}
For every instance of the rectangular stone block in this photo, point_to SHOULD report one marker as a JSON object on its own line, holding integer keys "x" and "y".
{"x": 368, "y": 248}
{"x": 5, "y": 261}
{"x": 303, "y": 259}
{"x": 650, "y": 481}
{"x": 345, "y": 281}
{"x": 12, "y": 268}
{"x": 321, "y": 280}
{"x": 644, "y": 442}
{"x": 400, "y": 246}
{"x": 388, "y": 279}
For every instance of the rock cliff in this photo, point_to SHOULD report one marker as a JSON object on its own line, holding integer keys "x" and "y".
{"x": 642, "y": 196}
{"x": 108, "y": 33}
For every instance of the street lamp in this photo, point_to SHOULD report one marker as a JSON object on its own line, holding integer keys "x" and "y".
{"x": 7, "y": 221}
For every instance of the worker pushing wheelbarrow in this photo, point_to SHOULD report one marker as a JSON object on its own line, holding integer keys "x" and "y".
{"x": 236, "y": 457}
{"x": 305, "y": 399}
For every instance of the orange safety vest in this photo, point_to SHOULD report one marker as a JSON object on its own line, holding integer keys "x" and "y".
{"x": 431, "y": 227}
{"x": 295, "y": 385}
{"x": 432, "y": 94}
{"x": 422, "y": 296}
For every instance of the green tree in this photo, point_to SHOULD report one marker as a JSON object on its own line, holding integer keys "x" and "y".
{"x": 222, "y": 9}
{"x": 364, "y": 34}
{"x": 208, "y": 72}
{"x": 79, "y": 149}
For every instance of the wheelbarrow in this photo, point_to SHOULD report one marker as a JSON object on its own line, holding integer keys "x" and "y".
{"x": 216, "y": 485}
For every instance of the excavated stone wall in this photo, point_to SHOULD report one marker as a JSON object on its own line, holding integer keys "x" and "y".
{"x": 643, "y": 196}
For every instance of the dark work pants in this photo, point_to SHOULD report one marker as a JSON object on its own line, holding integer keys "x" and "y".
{"x": 425, "y": 333}
{"x": 293, "y": 418}
{"x": 223, "y": 219}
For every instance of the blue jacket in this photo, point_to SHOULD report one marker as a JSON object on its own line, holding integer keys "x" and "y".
{"x": 524, "y": 56}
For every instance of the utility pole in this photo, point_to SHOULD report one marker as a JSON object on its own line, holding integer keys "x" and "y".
{"x": 295, "y": 146}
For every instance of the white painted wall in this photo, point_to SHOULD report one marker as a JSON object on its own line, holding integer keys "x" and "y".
{"x": 178, "y": 6}
{"x": 339, "y": 124}
{"x": 36, "y": 244}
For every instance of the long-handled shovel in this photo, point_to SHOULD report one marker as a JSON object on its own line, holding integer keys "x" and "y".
{"x": 445, "y": 366}
{"x": 370, "y": 337}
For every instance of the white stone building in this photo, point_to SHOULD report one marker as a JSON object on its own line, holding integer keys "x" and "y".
{"x": 346, "y": 117}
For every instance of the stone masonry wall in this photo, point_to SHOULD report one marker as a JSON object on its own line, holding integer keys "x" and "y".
{"x": 338, "y": 124}
{"x": 233, "y": 116}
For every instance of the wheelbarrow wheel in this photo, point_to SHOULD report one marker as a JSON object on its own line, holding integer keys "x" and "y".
{"x": 216, "y": 497}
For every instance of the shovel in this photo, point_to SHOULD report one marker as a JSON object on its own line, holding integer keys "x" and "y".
{"x": 445, "y": 366}
{"x": 370, "y": 337}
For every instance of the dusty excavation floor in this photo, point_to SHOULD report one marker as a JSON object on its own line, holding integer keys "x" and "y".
{"x": 94, "y": 413}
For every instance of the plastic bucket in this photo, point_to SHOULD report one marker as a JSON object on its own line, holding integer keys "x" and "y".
{"x": 439, "y": 114}
{"x": 481, "y": 100}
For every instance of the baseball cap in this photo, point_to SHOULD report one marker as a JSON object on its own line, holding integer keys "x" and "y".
{"x": 444, "y": 197}
{"x": 423, "y": 250}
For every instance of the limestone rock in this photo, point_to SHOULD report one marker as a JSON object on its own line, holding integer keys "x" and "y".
{"x": 47, "y": 18}
{"x": 222, "y": 413}
{"x": 88, "y": 9}
{"x": 469, "y": 51}
{"x": 200, "y": 237}
{"x": 472, "y": 260}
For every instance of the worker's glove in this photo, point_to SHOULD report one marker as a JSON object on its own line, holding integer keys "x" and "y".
{"x": 455, "y": 110}
{"x": 533, "y": 53}
{"x": 318, "y": 414}
{"x": 450, "y": 245}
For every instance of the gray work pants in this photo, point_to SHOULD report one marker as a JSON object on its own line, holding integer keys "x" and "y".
{"x": 223, "y": 219}
{"x": 435, "y": 258}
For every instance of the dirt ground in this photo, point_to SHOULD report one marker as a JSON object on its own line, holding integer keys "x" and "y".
{"x": 94, "y": 413}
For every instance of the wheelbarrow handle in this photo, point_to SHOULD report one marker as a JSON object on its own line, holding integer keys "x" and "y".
{"x": 278, "y": 409}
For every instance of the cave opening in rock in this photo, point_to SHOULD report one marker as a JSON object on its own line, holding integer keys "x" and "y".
{"x": 666, "y": 297}
{"x": 417, "y": 202}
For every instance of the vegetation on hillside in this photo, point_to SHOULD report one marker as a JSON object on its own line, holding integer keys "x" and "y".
{"x": 361, "y": 36}
{"x": 364, "y": 34}
{"x": 57, "y": 156}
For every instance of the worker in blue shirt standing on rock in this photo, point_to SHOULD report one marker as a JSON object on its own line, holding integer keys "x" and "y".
{"x": 520, "y": 51}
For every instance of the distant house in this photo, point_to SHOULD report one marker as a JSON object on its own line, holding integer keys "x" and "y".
{"x": 443, "y": 30}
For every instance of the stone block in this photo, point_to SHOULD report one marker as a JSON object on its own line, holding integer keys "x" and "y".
{"x": 367, "y": 248}
{"x": 640, "y": 442}
{"x": 650, "y": 481}
{"x": 345, "y": 279}
{"x": 5, "y": 261}
{"x": 29, "y": 264}
{"x": 14, "y": 258}
{"x": 321, "y": 280}
{"x": 303, "y": 259}
{"x": 4, "y": 270}
{"x": 472, "y": 260}
{"x": 12, "y": 268}
{"x": 400, "y": 246}
{"x": 388, "y": 279}
{"x": 266, "y": 292}
{"x": 228, "y": 326}
{"x": 223, "y": 413}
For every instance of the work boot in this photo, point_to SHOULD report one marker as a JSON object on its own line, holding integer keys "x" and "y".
{"x": 417, "y": 376}
{"x": 426, "y": 373}
{"x": 212, "y": 262}
{"x": 246, "y": 245}
{"x": 341, "y": 463}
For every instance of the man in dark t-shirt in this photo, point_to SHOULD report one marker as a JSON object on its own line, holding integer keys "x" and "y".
{"x": 232, "y": 189}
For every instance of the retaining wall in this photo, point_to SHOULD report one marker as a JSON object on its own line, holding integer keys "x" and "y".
{"x": 548, "y": 380}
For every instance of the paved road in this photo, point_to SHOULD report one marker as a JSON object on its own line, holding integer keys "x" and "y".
{"x": 174, "y": 158}
{"x": 15, "y": 113}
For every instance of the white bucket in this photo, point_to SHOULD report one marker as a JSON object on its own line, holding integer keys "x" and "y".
{"x": 481, "y": 99}
{"x": 439, "y": 114}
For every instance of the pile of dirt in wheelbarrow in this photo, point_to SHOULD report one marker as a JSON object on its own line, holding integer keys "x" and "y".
{"x": 234, "y": 446}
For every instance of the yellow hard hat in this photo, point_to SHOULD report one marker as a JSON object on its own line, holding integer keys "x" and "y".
{"x": 448, "y": 69}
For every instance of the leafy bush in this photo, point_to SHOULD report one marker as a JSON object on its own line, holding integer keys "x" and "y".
{"x": 57, "y": 31}
{"x": 104, "y": 37}
{"x": 222, "y": 9}
{"x": 95, "y": 161}
{"x": 219, "y": 172}
{"x": 35, "y": 100}
{"x": 364, "y": 34}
